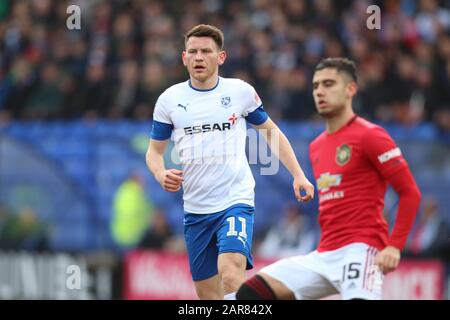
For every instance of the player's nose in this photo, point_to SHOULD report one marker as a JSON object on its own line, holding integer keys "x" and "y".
{"x": 318, "y": 90}
{"x": 319, "y": 93}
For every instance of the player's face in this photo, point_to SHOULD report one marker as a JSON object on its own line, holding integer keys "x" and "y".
{"x": 332, "y": 92}
{"x": 202, "y": 58}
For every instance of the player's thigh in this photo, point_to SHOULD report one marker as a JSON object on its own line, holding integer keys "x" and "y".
{"x": 200, "y": 237}
{"x": 360, "y": 277}
{"x": 235, "y": 234}
{"x": 301, "y": 281}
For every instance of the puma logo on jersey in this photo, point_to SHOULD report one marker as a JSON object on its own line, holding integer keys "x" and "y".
{"x": 181, "y": 106}
{"x": 327, "y": 180}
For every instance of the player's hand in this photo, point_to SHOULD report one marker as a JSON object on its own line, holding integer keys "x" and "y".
{"x": 301, "y": 183}
{"x": 388, "y": 259}
{"x": 170, "y": 180}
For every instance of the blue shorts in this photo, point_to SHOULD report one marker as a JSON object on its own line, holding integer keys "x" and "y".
{"x": 208, "y": 235}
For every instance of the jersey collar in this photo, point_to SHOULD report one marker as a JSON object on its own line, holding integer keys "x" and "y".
{"x": 203, "y": 90}
{"x": 349, "y": 122}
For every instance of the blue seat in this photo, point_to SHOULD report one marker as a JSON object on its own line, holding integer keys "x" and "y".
{"x": 72, "y": 237}
{"x": 77, "y": 146}
{"x": 106, "y": 128}
{"x": 18, "y": 129}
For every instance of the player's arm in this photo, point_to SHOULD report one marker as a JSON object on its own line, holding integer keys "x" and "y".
{"x": 170, "y": 180}
{"x": 281, "y": 147}
{"x": 409, "y": 199}
{"x": 388, "y": 160}
{"x": 162, "y": 127}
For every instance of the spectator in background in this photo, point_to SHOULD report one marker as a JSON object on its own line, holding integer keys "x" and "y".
{"x": 16, "y": 87}
{"x": 23, "y": 230}
{"x": 431, "y": 236}
{"x": 132, "y": 211}
{"x": 4, "y": 217}
{"x": 45, "y": 100}
{"x": 292, "y": 236}
{"x": 126, "y": 92}
{"x": 158, "y": 234}
{"x": 153, "y": 83}
{"x": 161, "y": 236}
{"x": 432, "y": 20}
{"x": 94, "y": 97}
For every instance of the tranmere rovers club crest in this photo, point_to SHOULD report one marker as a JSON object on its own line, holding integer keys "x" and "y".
{"x": 343, "y": 154}
{"x": 226, "y": 102}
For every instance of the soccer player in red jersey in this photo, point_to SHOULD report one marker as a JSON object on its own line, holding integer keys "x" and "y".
{"x": 353, "y": 162}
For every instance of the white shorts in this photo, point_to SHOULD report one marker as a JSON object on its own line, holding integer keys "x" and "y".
{"x": 350, "y": 271}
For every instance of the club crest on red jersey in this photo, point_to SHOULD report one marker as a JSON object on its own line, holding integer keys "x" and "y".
{"x": 343, "y": 154}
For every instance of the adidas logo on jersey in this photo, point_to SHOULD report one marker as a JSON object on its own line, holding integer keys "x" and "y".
{"x": 352, "y": 285}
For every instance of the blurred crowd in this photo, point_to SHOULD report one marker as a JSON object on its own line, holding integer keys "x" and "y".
{"x": 127, "y": 52}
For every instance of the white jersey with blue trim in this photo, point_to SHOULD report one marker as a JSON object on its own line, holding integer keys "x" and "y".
{"x": 209, "y": 131}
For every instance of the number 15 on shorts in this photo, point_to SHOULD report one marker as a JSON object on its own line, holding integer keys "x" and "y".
{"x": 351, "y": 271}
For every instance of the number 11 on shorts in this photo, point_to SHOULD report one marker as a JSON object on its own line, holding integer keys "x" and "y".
{"x": 232, "y": 231}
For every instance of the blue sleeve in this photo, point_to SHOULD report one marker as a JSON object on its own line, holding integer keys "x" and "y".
{"x": 161, "y": 130}
{"x": 258, "y": 116}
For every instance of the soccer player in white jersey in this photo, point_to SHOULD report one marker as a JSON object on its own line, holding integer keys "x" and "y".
{"x": 206, "y": 117}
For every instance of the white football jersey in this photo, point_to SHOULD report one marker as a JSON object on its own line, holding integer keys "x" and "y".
{"x": 209, "y": 133}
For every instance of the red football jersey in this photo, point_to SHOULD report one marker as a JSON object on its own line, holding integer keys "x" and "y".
{"x": 350, "y": 167}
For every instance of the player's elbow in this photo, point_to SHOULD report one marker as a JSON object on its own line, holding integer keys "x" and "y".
{"x": 413, "y": 195}
{"x": 150, "y": 157}
{"x": 417, "y": 195}
{"x": 414, "y": 192}
{"x": 404, "y": 184}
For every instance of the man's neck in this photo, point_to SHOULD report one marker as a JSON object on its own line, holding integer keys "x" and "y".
{"x": 335, "y": 123}
{"x": 208, "y": 84}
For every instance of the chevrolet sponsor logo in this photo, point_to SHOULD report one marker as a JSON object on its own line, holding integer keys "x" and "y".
{"x": 327, "y": 180}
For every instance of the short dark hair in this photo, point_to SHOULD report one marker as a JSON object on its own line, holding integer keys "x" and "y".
{"x": 344, "y": 65}
{"x": 206, "y": 30}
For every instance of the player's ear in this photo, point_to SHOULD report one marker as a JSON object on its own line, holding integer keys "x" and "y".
{"x": 352, "y": 89}
{"x": 222, "y": 57}
{"x": 183, "y": 58}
